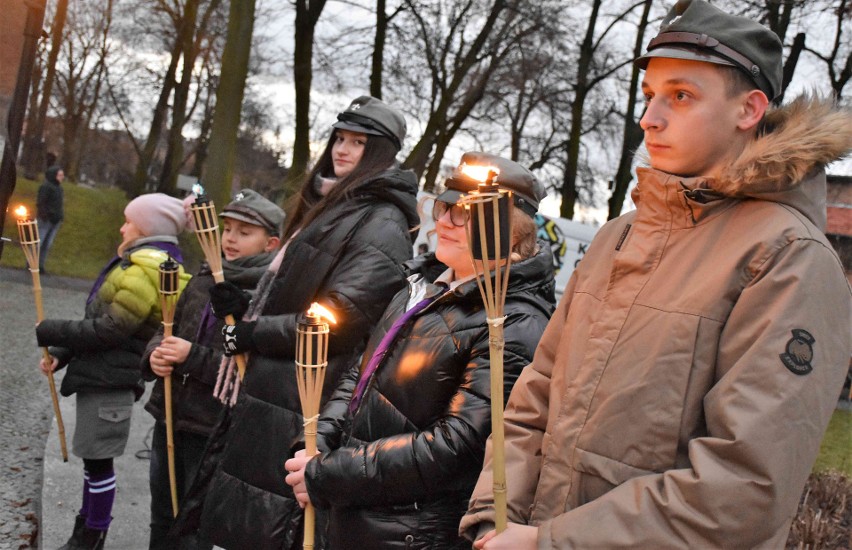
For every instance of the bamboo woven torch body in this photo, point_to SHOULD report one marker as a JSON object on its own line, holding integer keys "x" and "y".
{"x": 311, "y": 361}
{"x": 489, "y": 237}
{"x": 28, "y": 235}
{"x": 207, "y": 231}
{"x": 169, "y": 290}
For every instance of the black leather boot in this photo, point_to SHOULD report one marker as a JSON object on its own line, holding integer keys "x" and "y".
{"x": 87, "y": 539}
{"x": 74, "y": 541}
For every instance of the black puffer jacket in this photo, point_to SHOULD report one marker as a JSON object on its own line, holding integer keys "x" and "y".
{"x": 194, "y": 407}
{"x": 402, "y": 468}
{"x": 350, "y": 260}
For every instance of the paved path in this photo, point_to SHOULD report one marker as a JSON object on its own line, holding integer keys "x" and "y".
{"x": 29, "y": 447}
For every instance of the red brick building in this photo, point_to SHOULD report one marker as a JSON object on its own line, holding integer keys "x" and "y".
{"x": 839, "y": 211}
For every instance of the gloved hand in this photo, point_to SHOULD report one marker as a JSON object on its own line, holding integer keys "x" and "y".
{"x": 238, "y": 338}
{"x": 229, "y": 299}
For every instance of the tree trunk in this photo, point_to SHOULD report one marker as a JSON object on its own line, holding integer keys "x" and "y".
{"x": 204, "y": 135}
{"x": 378, "y": 49}
{"x": 31, "y": 143}
{"x": 633, "y": 134}
{"x": 307, "y": 14}
{"x": 219, "y": 170}
{"x": 790, "y": 65}
{"x": 174, "y": 150}
{"x": 33, "y": 155}
{"x": 140, "y": 177}
{"x": 569, "y": 180}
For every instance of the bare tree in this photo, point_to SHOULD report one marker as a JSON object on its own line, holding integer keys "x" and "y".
{"x": 839, "y": 69}
{"x": 307, "y": 16}
{"x": 229, "y": 99}
{"x": 80, "y": 75}
{"x": 194, "y": 38}
{"x": 633, "y": 134}
{"x": 32, "y": 156}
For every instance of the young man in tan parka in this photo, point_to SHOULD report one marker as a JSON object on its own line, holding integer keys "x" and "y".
{"x": 680, "y": 392}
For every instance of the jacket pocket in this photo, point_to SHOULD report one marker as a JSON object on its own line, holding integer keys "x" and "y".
{"x": 115, "y": 413}
{"x": 598, "y": 474}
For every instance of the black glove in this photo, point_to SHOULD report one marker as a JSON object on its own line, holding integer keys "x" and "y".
{"x": 238, "y": 338}
{"x": 229, "y": 299}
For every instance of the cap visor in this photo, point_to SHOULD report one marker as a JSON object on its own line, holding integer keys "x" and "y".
{"x": 352, "y": 127}
{"x": 450, "y": 196}
{"x": 244, "y": 218}
{"x": 674, "y": 52}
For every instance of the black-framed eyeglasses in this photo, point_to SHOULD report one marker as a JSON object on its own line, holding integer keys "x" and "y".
{"x": 458, "y": 213}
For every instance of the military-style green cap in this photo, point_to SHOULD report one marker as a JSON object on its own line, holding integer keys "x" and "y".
{"x": 526, "y": 189}
{"x": 369, "y": 115}
{"x": 695, "y": 30}
{"x": 251, "y": 207}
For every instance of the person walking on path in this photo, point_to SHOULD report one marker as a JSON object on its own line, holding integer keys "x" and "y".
{"x": 251, "y": 229}
{"x": 350, "y": 232}
{"x": 102, "y": 352}
{"x": 50, "y": 210}
{"x": 417, "y": 408}
{"x": 680, "y": 392}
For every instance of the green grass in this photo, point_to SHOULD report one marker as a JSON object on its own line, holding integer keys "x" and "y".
{"x": 89, "y": 234}
{"x": 835, "y": 453}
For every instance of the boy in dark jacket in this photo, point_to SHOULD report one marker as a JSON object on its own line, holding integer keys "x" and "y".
{"x": 250, "y": 233}
{"x": 50, "y": 210}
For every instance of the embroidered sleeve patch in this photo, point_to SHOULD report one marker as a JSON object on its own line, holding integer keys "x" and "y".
{"x": 799, "y": 352}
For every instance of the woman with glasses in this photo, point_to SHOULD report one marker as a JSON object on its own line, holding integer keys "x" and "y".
{"x": 403, "y": 438}
{"x": 351, "y": 230}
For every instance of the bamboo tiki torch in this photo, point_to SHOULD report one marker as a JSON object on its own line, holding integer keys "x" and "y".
{"x": 489, "y": 240}
{"x": 311, "y": 360}
{"x": 207, "y": 231}
{"x": 169, "y": 290}
{"x": 28, "y": 235}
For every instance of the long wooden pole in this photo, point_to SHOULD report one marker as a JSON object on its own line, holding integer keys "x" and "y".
{"x": 494, "y": 297}
{"x": 30, "y": 242}
{"x": 311, "y": 362}
{"x": 169, "y": 289}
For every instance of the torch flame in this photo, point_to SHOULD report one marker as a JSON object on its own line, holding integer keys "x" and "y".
{"x": 22, "y": 212}
{"x": 317, "y": 310}
{"x": 197, "y": 189}
{"x": 477, "y": 172}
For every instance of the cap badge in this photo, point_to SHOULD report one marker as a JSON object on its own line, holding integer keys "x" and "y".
{"x": 240, "y": 196}
{"x": 354, "y": 106}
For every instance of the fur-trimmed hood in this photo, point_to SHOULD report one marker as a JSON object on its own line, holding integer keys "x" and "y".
{"x": 798, "y": 139}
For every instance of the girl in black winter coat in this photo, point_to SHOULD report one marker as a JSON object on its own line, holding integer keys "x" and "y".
{"x": 345, "y": 243}
{"x": 403, "y": 437}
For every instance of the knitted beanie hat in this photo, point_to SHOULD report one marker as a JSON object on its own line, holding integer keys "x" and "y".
{"x": 156, "y": 214}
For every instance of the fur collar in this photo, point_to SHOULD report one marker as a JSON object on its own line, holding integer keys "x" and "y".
{"x": 798, "y": 138}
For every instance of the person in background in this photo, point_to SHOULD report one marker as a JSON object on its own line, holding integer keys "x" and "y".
{"x": 251, "y": 231}
{"x": 403, "y": 437}
{"x": 681, "y": 390}
{"x": 102, "y": 353}
{"x": 351, "y": 229}
{"x": 50, "y": 210}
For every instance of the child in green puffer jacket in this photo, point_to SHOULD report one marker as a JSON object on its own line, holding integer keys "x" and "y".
{"x": 102, "y": 352}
